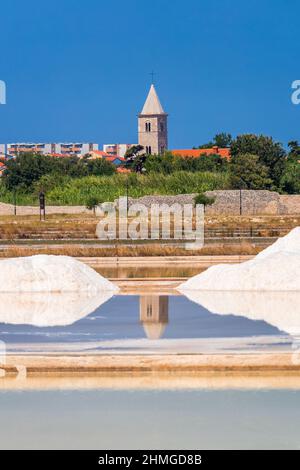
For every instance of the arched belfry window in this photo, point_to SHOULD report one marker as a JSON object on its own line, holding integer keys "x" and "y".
{"x": 148, "y": 126}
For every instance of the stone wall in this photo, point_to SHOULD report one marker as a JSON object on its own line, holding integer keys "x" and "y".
{"x": 227, "y": 202}
{"x": 234, "y": 202}
{"x": 290, "y": 204}
{"x": 246, "y": 202}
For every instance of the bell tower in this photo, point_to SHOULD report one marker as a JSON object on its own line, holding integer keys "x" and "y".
{"x": 153, "y": 125}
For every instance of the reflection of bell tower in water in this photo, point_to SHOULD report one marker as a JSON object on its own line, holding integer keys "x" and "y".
{"x": 154, "y": 314}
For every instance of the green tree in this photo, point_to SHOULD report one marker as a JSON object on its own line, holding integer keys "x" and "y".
{"x": 92, "y": 203}
{"x": 290, "y": 179}
{"x": 202, "y": 198}
{"x": 27, "y": 168}
{"x": 223, "y": 140}
{"x": 294, "y": 150}
{"x": 271, "y": 154}
{"x": 98, "y": 167}
{"x": 133, "y": 151}
{"x": 247, "y": 172}
{"x": 213, "y": 162}
{"x": 135, "y": 159}
{"x": 169, "y": 163}
{"x": 160, "y": 163}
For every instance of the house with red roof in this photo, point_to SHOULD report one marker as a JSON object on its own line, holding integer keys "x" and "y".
{"x": 115, "y": 160}
{"x": 2, "y": 168}
{"x": 196, "y": 153}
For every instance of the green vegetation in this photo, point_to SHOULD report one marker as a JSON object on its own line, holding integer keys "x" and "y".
{"x": 204, "y": 199}
{"x": 169, "y": 163}
{"x": 92, "y": 204}
{"x": 29, "y": 168}
{"x": 290, "y": 178}
{"x": 220, "y": 140}
{"x": 269, "y": 153}
{"x": 108, "y": 188}
{"x": 257, "y": 162}
{"x": 79, "y": 191}
{"x": 247, "y": 172}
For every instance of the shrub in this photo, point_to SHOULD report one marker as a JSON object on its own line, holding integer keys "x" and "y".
{"x": 203, "y": 199}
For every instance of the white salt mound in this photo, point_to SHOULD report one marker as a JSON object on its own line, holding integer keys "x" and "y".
{"x": 48, "y": 273}
{"x": 277, "y": 268}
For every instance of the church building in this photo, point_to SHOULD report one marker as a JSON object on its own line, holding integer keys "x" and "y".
{"x": 153, "y": 125}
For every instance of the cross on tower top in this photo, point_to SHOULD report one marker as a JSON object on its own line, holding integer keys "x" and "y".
{"x": 152, "y": 76}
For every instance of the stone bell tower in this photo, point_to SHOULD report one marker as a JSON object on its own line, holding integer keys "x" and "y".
{"x": 153, "y": 125}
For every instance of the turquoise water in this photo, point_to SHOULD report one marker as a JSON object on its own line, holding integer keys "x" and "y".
{"x": 198, "y": 419}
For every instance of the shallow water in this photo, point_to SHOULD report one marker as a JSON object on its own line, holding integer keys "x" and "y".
{"x": 146, "y": 324}
{"x": 188, "y": 416}
{"x": 107, "y": 419}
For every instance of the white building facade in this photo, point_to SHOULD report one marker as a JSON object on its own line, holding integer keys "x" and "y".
{"x": 63, "y": 148}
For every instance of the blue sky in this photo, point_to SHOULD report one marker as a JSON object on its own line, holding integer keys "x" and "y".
{"x": 80, "y": 70}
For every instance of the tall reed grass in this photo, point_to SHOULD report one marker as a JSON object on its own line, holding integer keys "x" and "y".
{"x": 78, "y": 191}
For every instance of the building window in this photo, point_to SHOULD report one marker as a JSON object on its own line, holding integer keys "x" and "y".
{"x": 161, "y": 126}
{"x": 148, "y": 126}
{"x": 162, "y": 149}
{"x": 149, "y": 310}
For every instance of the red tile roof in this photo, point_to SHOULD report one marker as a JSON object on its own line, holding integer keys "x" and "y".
{"x": 223, "y": 152}
{"x": 121, "y": 169}
{"x": 113, "y": 158}
{"x": 56, "y": 155}
{"x": 100, "y": 153}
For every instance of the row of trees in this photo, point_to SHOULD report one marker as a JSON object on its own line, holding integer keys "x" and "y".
{"x": 29, "y": 170}
{"x": 257, "y": 162}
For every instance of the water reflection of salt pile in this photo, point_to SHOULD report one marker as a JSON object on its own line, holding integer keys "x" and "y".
{"x": 279, "y": 309}
{"x": 276, "y": 268}
{"x": 49, "y": 309}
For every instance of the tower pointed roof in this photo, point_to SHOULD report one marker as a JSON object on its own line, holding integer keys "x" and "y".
{"x": 152, "y": 104}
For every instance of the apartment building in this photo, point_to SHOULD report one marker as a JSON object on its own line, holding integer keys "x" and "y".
{"x": 116, "y": 150}
{"x": 64, "y": 149}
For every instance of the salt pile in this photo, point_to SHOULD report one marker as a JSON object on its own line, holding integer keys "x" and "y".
{"x": 48, "y": 273}
{"x": 44, "y": 309}
{"x": 277, "y": 268}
